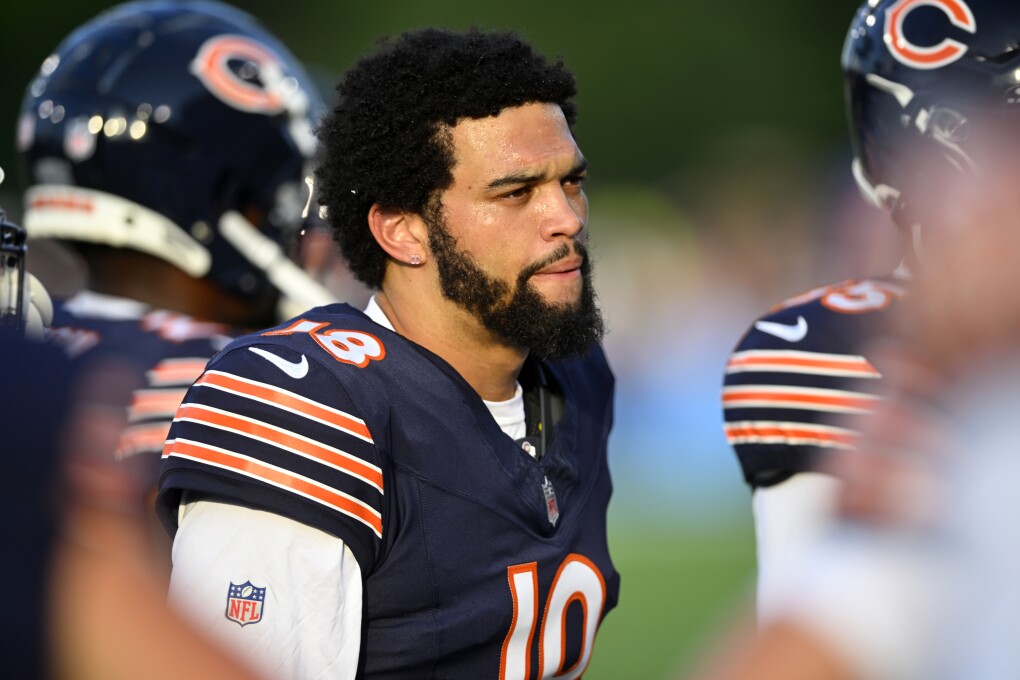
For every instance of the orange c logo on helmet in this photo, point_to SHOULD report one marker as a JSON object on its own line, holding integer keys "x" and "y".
{"x": 212, "y": 66}
{"x": 936, "y": 56}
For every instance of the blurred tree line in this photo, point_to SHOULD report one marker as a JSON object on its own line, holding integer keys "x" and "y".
{"x": 664, "y": 87}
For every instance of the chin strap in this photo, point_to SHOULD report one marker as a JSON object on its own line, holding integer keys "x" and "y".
{"x": 879, "y": 195}
{"x": 543, "y": 408}
{"x": 298, "y": 291}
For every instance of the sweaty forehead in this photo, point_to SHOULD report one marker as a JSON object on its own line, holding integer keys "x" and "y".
{"x": 532, "y": 137}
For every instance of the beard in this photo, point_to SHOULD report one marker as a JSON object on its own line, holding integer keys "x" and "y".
{"x": 520, "y": 316}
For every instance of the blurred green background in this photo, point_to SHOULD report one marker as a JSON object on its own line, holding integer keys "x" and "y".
{"x": 664, "y": 86}
{"x": 720, "y": 185}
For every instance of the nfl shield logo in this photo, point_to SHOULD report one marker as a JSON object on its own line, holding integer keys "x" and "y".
{"x": 245, "y": 603}
{"x": 551, "y": 507}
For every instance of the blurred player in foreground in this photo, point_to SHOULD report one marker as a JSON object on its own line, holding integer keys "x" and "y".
{"x": 419, "y": 490}
{"x": 926, "y": 84}
{"x": 169, "y": 144}
{"x": 915, "y": 576}
{"x": 81, "y": 601}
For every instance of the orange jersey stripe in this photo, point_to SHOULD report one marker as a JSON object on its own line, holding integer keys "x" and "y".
{"x": 801, "y": 362}
{"x": 176, "y": 372}
{"x": 141, "y": 438}
{"x": 746, "y": 396}
{"x": 283, "y": 439}
{"x": 151, "y": 403}
{"x": 789, "y": 433}
{"x": 286, "y": 400}
{"x": 279, "y": 478}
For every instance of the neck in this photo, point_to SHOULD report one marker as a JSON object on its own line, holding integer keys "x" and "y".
{"x": 485, "y": 362}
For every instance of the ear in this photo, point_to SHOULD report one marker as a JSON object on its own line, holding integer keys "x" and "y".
{"x": 400, "y": 234}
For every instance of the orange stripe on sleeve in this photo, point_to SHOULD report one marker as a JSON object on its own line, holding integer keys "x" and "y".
{"x": 767, "y": 432}
{"x": 801, "y": 362}
{"x": 768, "y": 396}
{"x": 274, "y": 476}
{"x": 142, "y": 438}
{"x": 283, "y": 439}
{"x": 152, "y": 403}
{"x": 287, "y": 401}
{"x": 176, "y": 372}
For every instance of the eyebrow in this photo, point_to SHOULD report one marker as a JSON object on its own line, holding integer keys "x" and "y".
{"x": 521, "y": 178}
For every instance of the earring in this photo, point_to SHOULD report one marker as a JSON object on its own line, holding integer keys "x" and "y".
{"x": 415, "y": 259}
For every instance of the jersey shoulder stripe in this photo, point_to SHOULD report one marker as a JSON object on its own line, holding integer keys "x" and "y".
{"x": 155, "y": 403}
{"x": 295, "y": 445}
{"x": 282, "y": 439}
{"x": 180, "y": 371}
{"x": 790, "y": 433}
{"x": 142, "y": 438}
{"x": 285, "y": 400}
{"x": 253, "y": 468}
{"x": 790, "y": 397}
{"x": 803, "y": 367}
{"x": 794, "y": 361}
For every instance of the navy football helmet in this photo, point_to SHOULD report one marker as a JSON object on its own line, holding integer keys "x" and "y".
{"x": 931, "y": 85}
{"x": 180, "y": 129}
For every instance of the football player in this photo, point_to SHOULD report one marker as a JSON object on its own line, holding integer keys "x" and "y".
{"x": 78, "y": 552}
{"x": 169, "y": 144}
{"x": 419, "y": 490}
{"x": 928, "y": 84}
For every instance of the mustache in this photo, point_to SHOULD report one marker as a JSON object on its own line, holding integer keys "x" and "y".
{"x": 564, "y": 250}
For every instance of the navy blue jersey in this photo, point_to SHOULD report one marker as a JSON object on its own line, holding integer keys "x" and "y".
{"x": 34, "y": 405}
{"x": 478, "y": 560}
{"x": 168, "y": 350}
{"x": 801, "y": 375}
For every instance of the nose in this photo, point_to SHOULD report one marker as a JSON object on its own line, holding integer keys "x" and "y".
{"x": 564, "y": 215}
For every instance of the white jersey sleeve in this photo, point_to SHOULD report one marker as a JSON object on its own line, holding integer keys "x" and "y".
{"x": 309, "y": 623}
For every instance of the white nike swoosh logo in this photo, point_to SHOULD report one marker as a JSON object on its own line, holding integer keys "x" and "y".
{"x": 794, "y": 333}
{"x": 295, "y": 369}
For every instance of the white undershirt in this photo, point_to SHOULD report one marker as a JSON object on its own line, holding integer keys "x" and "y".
{"x": 311, "y": 623}
{"x": 509, "y": 414}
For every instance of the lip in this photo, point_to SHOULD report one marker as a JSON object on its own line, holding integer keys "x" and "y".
{"x": 570, "y": 264}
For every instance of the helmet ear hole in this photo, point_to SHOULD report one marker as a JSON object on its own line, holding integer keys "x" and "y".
{"x": 188, "y": 111}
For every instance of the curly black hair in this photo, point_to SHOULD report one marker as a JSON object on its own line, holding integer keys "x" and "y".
{"x": 387, "y": 139}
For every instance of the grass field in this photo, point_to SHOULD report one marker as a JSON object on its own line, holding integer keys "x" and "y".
{"x": 679, "y": 585}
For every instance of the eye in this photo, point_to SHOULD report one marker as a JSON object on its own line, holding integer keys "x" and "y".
{"x": 577, "y": 181}
{"x": 519, "y": 192}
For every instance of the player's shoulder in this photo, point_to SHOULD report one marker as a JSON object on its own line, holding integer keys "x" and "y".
{"x": 334, "y": 336}
{"x": 850, "y": 297}
{"x": 94, "y": 324}
{"x": 836, "y": 318}
{"x": 333, "y": 355}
